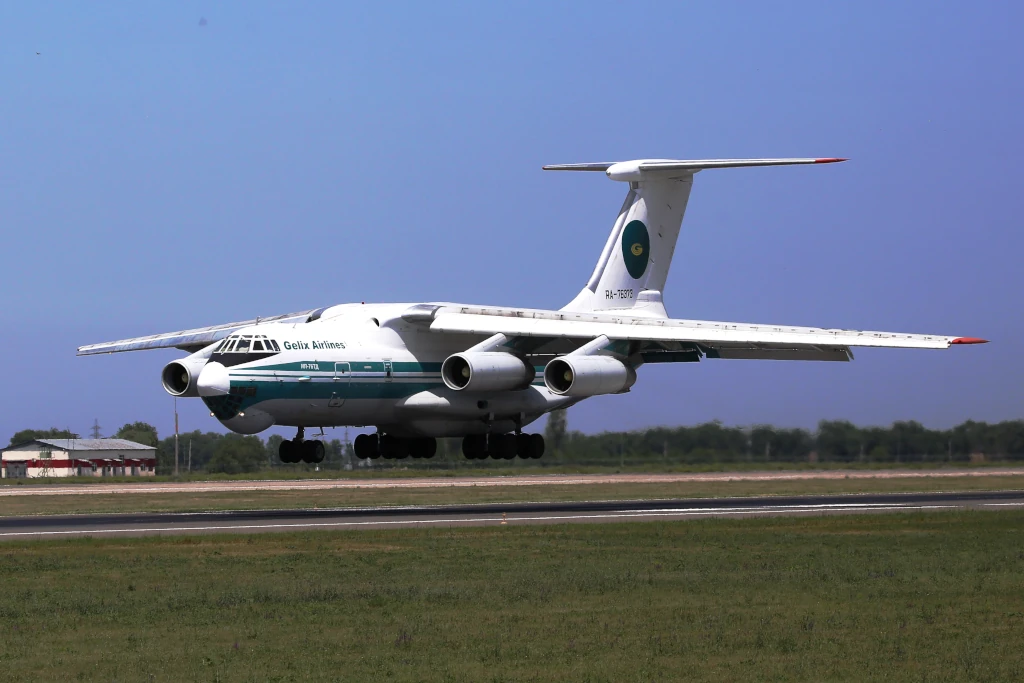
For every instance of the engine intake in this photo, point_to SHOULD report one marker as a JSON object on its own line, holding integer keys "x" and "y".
{"x": 179, "y": 376}
{"x": 588, "y": 375}
{"x": 486, "y": 371}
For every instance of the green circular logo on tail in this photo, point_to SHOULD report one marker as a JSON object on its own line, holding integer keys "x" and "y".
{"x": 636, "y": 245}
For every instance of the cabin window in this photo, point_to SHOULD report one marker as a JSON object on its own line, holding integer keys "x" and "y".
{"x": 257, "y": 345}
{"x": 243, "y": 345}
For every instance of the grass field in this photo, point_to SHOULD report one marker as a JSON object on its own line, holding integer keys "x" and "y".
{"x": 917, "y": 597}
{"x": 236, "y": 500}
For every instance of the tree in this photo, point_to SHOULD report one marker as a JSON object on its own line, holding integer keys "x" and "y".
{"x": 234, "y": 454}
{"x": 554, "y": 431}
{"x": 51, "y": 433}
{"x": 273, "y": 448}
{"x": 139, "y": 432}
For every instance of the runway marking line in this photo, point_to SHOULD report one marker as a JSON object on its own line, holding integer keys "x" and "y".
{"x": 519, "y": 480}
{"x": 669, "y": 512}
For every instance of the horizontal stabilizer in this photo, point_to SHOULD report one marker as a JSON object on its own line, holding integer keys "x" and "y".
{"x": 688, "y": 165}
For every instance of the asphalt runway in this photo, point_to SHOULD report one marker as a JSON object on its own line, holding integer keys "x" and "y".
{"x": 249, "y": 521}
{"x": 98, "y": 488}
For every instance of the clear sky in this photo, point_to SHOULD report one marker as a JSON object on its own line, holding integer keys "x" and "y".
{"x": 170, "y": 165}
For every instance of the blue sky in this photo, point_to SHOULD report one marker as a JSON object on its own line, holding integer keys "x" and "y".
{"x": 159, "y": 174}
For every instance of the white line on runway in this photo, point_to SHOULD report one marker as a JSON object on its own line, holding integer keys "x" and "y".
{"x": 669, "y": 512}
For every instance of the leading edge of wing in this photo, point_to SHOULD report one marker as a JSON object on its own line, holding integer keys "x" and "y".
{"x": 684, "y": 330}
{"x": 199, "y": 336}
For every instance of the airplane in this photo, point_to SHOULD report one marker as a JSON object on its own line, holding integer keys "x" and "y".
{"x": 419, "y": 371}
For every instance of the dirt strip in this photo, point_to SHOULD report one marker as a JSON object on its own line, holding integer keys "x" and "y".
{"x": 524, "y": 480}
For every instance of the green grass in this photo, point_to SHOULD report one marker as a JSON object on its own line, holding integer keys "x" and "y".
{"x": 267, "y": 500}
{"x": 918, "y": 597}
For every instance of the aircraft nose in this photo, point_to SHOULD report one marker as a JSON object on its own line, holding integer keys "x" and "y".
{"x": 213, "y": 380}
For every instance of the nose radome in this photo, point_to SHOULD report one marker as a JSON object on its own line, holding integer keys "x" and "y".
{"x": 213, "y": 380}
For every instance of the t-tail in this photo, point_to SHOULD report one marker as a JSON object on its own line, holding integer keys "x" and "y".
{"x": 631, "y": 273}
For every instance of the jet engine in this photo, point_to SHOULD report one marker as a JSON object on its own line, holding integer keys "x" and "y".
{"x": 574, "y": 375}
{"x": 180, "y": 376}
{"x": 486, "y": 371}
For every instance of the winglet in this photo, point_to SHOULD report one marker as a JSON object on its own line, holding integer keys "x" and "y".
{"x": 969, "y": 340}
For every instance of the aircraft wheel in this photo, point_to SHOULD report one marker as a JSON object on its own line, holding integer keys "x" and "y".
{"x": 394, "y": 448}
{"x": 474, "y": 446}
{"x": 365, "y": 447}
{"x": 316, "y": 452}
{"x": 538, "y": 446}
{"x": 422, "y": 448}
{"x": 285, "y": 451}
{"x": 502, "y": 446}
{"x": 524, "y": 446}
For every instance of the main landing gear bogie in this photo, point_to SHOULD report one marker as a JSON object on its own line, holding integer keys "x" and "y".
{"x": 503, "y": 446}
{"x": 311, "y": 452}
{"x": 373, "y": 446}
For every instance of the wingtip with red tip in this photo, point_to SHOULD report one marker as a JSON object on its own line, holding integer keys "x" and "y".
{"x": 829, "y": 160}
{"x": 969, "y": 340}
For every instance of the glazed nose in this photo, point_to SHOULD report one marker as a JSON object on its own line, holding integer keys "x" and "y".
{"x": 213, "y": 380}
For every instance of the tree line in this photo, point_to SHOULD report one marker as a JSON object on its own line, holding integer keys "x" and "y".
{"x": 835, "y": 441}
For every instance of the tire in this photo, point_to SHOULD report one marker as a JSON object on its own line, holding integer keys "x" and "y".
{"x": 361, "y": 447}
{"x": 538, "y": 446}
{"x": 285, "y": 450}
{"x": 422, "y": 448}
{"x": 474, "y": 446}
{"x": 394, "y": 448}
{"x": 502, "y": 446}
{"x": 524, "y": 446}
{"x": 317, "y": 452}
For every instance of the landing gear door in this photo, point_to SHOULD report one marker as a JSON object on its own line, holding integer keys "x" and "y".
{"x": 342, "y": 376}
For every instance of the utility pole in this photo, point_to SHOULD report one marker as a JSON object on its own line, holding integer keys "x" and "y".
{"x": 190, "y": 456}
{"x": 96, "y": 428}
{"x": 175, "y": 436}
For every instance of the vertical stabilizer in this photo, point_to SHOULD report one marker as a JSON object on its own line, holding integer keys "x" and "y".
{"x": 633, "y": 268}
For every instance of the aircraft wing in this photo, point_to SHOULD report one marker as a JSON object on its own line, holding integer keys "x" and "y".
{"x": 714, "y": 339}
{"x": 187, "y": 340}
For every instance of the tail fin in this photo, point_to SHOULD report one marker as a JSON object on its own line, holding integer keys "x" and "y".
{"x": 634, "y": 264}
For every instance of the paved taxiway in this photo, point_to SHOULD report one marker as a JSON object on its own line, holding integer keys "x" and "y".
{"x": 82, "y": 489}
{"x": 246, "y": 521}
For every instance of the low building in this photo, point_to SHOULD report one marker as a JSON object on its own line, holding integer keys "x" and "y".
{"x": 78, "y": 458}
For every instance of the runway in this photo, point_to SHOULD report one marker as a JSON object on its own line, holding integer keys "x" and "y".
{"x": 78, "y": 488}
{"x": 249, "y": 521}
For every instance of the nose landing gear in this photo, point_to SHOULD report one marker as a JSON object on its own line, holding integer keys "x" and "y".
{"x": 300, "y": 450}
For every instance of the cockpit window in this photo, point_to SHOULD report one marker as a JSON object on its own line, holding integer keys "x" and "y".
{"x": 247, "y": 343}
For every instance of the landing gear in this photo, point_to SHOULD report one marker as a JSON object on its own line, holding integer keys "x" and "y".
{"x": 367, "y": 447}
{"x": 299, "y": 450}
{"x": 503, "y": 446}
{"x": 389, "y": 447}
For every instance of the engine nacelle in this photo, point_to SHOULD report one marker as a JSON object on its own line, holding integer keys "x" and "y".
{"x": 486, "y": 371}
{"x": 588, "y": 375}
{"x": 180, "y": 376}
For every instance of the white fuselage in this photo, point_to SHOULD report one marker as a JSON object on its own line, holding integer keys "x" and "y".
{"x": 359, "y": 365}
